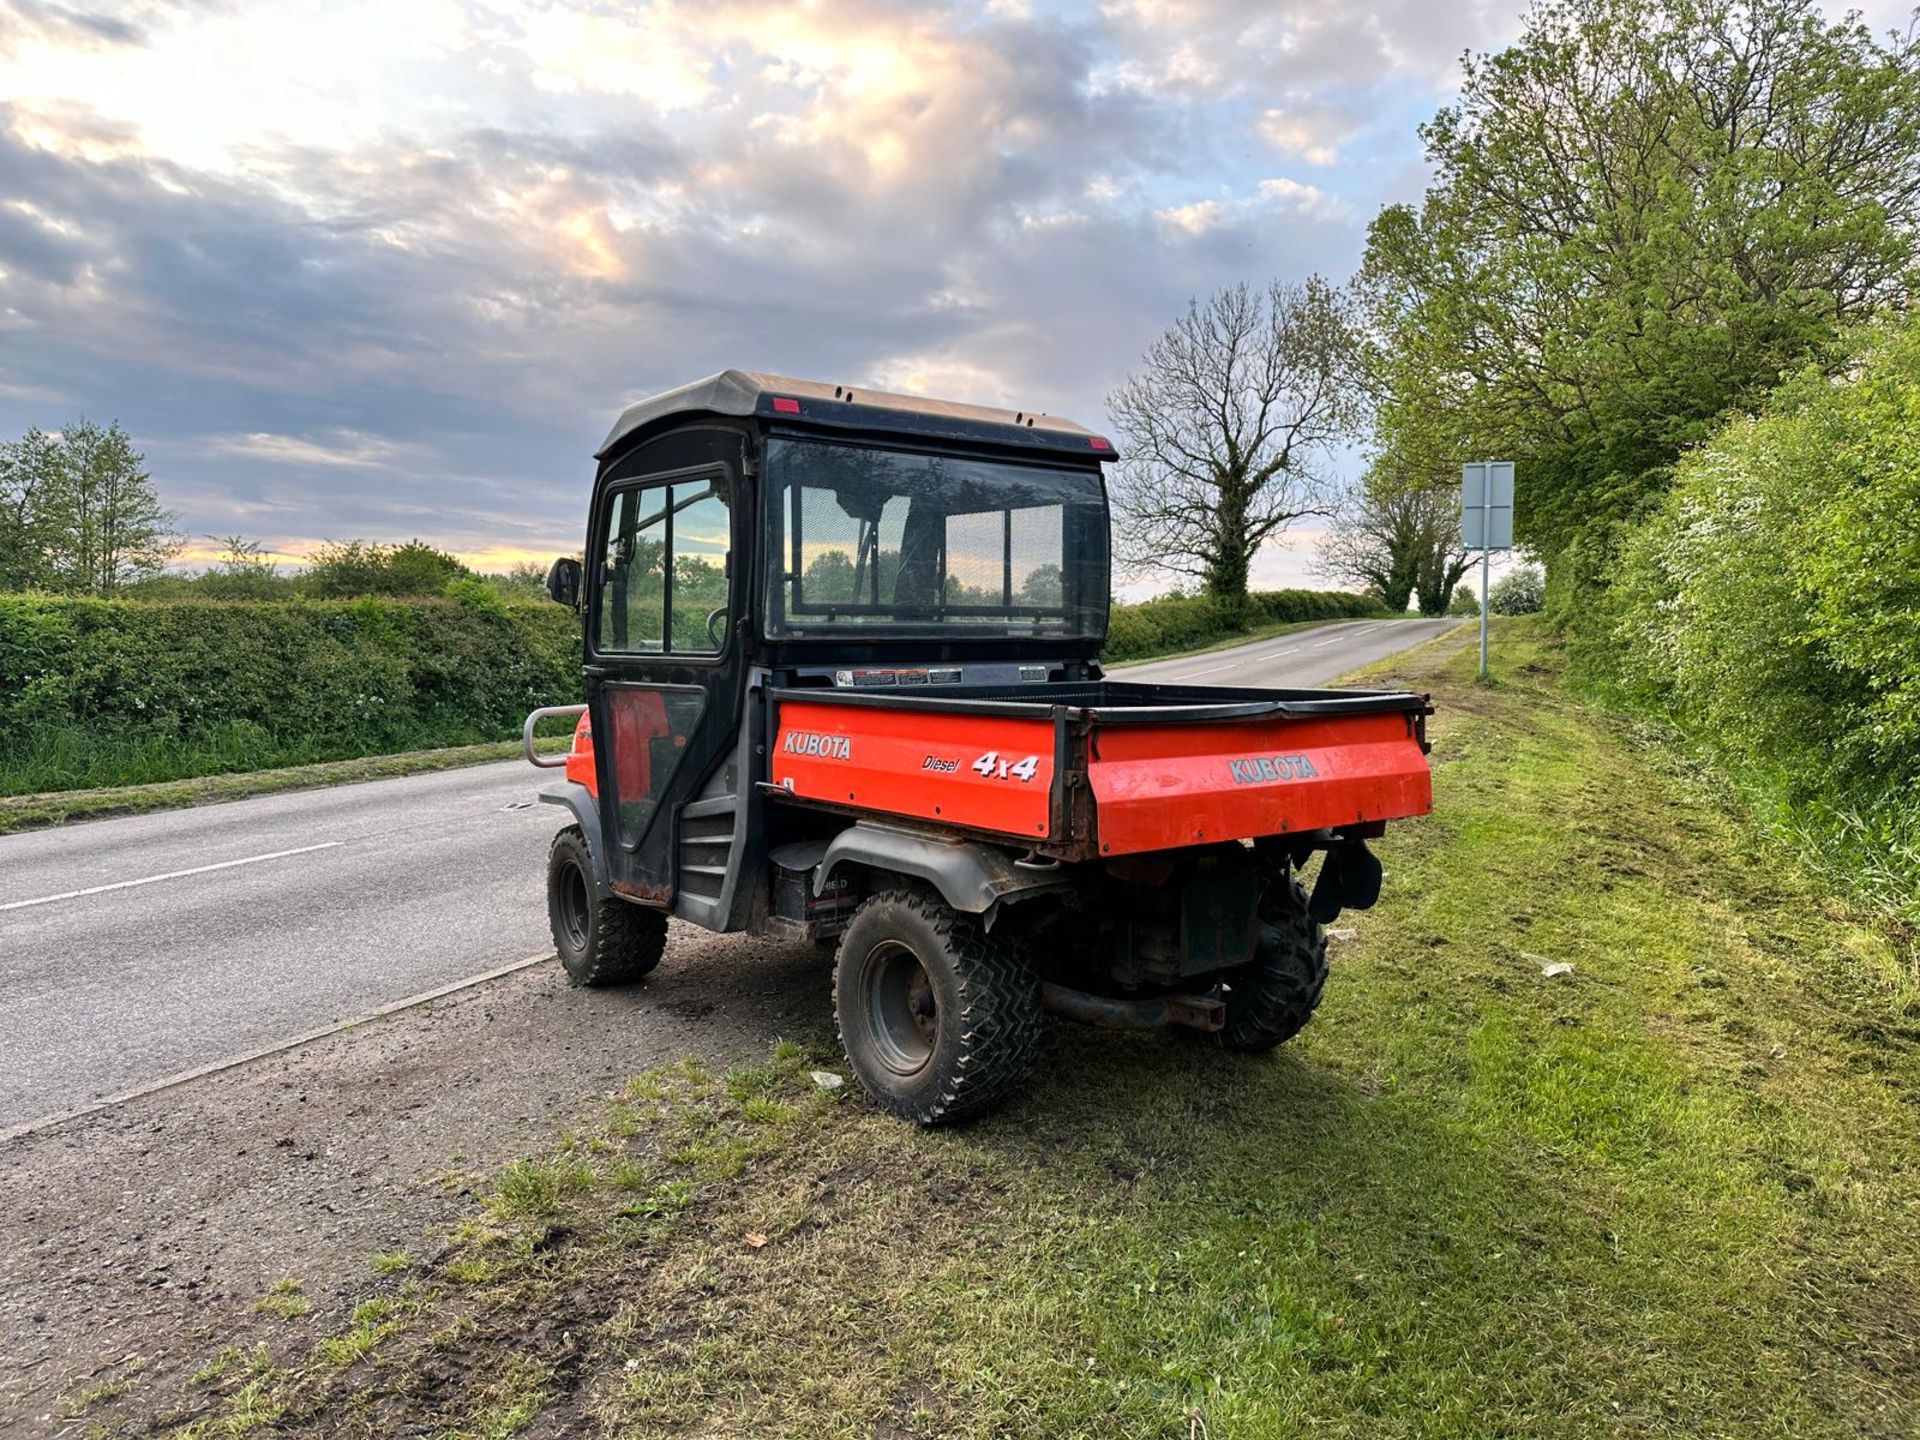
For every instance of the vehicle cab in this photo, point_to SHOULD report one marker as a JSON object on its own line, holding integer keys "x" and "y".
{"x": 752, "y": 533}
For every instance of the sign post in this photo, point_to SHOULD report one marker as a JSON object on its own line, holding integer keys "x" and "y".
{"x": 1486, "y": 523}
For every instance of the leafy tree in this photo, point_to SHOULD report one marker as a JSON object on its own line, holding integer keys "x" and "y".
{"x": 244, "y": 571}
{"x": 1642, "y": 214}
{"x": 1395, "y": 540}
{"x": 359, "y": 567}
{"x": 1226, "y": 428}
{"x": 113, "y": 527}
{"x": 78, "y": 512}
{"x": 524, "y": 579}
{"x": 1044, "y": 585}
{"x": 32, "y": 486}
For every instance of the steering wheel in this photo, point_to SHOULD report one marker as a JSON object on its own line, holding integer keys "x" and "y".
{"x": 717, "y": 628}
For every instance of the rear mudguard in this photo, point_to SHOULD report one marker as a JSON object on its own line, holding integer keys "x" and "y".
{"x": 1349, "y": 880}
{"x": 973, "y": 879}
{"x": 586, "y": 814}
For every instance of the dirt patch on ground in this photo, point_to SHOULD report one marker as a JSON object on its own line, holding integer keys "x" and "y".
{"x": 143, "y": 1230}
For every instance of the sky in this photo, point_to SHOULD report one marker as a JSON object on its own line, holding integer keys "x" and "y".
{"x": 384, "y": 270}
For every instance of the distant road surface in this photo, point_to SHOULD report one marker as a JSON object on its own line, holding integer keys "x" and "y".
{"x": 137, "y": 948}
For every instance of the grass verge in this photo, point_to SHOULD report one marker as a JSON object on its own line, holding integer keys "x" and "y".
{"x": 37, "y": 812}
{"x": 1675, "y": 1191}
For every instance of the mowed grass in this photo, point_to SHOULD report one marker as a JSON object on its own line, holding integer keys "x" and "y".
{"x": 1675, "y": 1192}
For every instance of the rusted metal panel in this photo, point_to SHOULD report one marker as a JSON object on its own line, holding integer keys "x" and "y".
{"x": 654, "y": 895}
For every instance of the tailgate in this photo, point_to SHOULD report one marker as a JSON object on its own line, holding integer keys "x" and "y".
{"x": 1159, "y": 784}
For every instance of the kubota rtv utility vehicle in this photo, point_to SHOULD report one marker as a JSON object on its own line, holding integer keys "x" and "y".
{"x": 843, "y": 685}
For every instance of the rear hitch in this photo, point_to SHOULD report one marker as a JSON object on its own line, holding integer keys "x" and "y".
{"x": 1198, "y": 1012}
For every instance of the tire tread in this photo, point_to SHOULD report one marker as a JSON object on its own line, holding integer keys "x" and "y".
{"x": 1000, "y": 1013}
{"x": 624, "y": 941}
{"x": 1272, "y": 997}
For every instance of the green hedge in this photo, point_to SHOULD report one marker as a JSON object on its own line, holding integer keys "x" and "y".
{"x": 123, "y": 692}
{"x": 1771, "y": 606}
{"x": 1160, "y": 627}
{"x": 97, "y": 692}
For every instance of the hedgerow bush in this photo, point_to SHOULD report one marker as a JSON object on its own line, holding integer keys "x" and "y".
{"x": 1158, "y": 627}
{"x": 1519, "y": 592}
{"x": 97, "y": 692}
{"x": 1772, "y": 604}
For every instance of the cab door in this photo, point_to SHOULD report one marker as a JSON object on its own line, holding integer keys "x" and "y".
{"x": 663, "y": 668}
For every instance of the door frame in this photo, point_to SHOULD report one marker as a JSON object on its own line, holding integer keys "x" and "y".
{"x": 645, "y": 867}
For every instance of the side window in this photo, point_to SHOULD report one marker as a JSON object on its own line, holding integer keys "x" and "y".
{"x": 633, "y": 584}
{"x": 663, "y": 581}
{"x": 702, "y": 536}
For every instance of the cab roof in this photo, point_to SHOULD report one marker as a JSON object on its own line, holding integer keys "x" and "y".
{"x": 808, "y": 404}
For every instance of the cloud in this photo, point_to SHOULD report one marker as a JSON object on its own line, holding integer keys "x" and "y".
{"x": 346, "y": 448}
{"x": 1302, "y": 199}
{"x": 1196, "y": 218}
{"x": 1313, "y": 133}
{"x": 382, "y": 269}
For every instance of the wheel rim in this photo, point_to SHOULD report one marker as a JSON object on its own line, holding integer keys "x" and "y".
{"x": 902, "y": 1014}
{"x": 574, "y": 910}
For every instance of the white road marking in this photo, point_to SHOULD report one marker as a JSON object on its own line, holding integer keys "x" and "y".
{"x": 1334, "y": 641}
{"x": 170, "y": 875}
{"x": 1210, "y": 670}
{"x": 200, "y": 1072}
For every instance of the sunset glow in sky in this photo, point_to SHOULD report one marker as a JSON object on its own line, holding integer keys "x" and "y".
{"x": 390, "y": 269}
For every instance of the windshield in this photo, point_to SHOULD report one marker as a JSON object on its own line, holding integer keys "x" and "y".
{"x": 932, "y": 544}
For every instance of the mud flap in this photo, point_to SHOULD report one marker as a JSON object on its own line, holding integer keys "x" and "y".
{"x": 1349, "y": 880}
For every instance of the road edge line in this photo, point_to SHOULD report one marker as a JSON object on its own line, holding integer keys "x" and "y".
{"x": 233, "y": 1062}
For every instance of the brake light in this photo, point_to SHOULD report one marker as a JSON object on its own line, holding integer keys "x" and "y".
{"x": 785, "y": 405}
{"x": 1098, "y": 442}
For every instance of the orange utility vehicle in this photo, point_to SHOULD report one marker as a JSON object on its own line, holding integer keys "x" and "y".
{"x": 843, "y": 685}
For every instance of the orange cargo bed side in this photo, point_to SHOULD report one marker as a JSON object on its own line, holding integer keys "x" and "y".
{"x": 1139, "y": 769}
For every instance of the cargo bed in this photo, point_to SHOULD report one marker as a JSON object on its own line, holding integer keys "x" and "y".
{"x": 1108, "y": 767}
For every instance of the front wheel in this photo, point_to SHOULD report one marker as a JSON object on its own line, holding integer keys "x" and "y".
{"x": 601, "y": 939}
{"x": 1271, "y": 997}
{"x": 939, "y": 1022}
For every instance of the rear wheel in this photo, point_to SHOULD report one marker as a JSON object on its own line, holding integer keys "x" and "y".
{"x": 601, "y": 940}
{"x": 1271, "y": 997}
{"x": 939, "y": 1022}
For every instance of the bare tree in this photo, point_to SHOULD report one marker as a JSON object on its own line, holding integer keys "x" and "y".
{"x": 1397, "y": 541}
{"x": 1227, "y": 427}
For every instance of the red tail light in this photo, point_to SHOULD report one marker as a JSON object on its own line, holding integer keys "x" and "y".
{"x": 786, "y": 406}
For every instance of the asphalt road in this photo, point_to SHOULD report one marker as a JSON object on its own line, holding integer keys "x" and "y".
{"x": 1301, "y": 659}
{"x": 137, "y": 948}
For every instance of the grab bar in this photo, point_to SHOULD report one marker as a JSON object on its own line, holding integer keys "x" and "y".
{"x": 548, "y": 712}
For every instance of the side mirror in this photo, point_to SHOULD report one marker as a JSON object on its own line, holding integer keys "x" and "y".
{"x": 563, "y": 582}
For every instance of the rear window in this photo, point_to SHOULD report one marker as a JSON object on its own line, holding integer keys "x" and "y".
{"x": 907, "y": 544}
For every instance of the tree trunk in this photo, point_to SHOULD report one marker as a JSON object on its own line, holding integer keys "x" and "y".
{"x": 1226, "y": 575}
